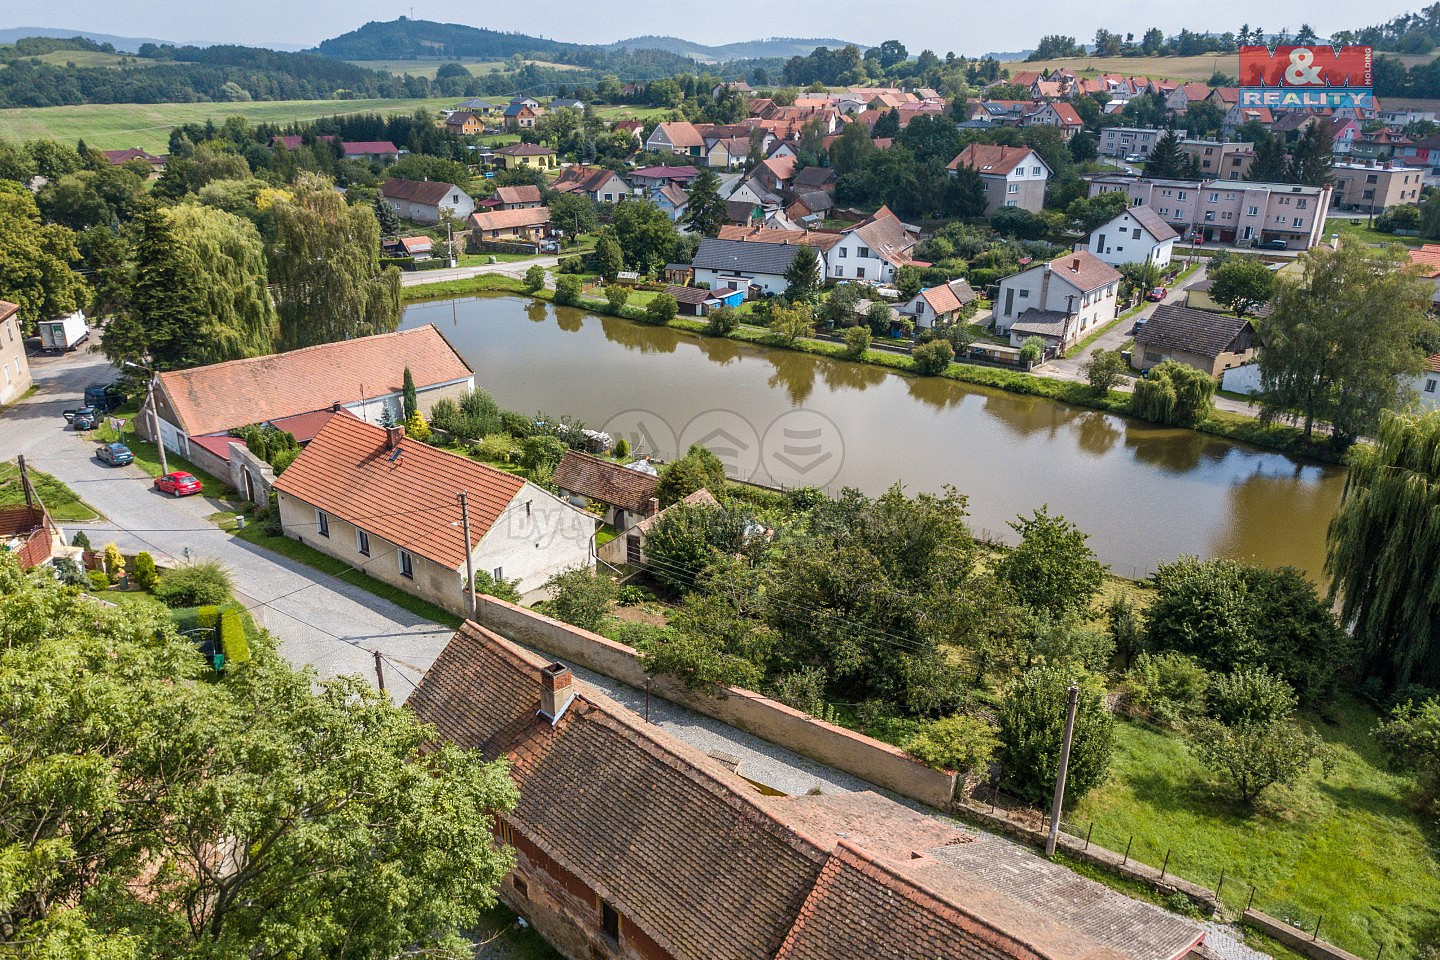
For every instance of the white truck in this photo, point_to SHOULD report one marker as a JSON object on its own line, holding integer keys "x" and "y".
{"x": 63, "y": 333}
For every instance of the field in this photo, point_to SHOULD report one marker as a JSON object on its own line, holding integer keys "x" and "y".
{"x": 1157, "y": 68}
{"x": 116, "y": 126}
{"x": 1348, "y": 845}
{"x": 91, "y": 58}
{"x": 427, "y": 68}
{"x": 1357, "y": 231}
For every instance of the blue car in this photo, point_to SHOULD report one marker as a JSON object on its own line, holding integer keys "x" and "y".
{"x": 115, "y": 454}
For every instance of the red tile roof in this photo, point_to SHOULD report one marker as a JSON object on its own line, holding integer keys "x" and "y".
{"x": 1084, "y": 270}
{"x": 524, "y": 150}
{"x": 510, "y": 219}
{"x": 8, "y": 310}
{"x": 664, "y": 172}
{"x": 304, "y": 426}
{"x": 366, "y": 148}
{"x": 220, "y": 396}
{"x": 1427, "y": 257}
{"x": 681, "y": 134}
{"x": 991, "y": 159}
{"x": 348, "y": 471}
{"x": 524, "y": 193}
{"x": 819, "y": 239}
{"x": 427, "y": 192}
{"x": 1433, "y": 364}
{"x": 118, "y": 157}
{"x": 886, "y": 236}
{"x": 608, "y": 482}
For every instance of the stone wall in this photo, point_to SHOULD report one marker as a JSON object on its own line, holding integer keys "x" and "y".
{"x": 243, "y": 462}
{"x": 1296, "y": 938}
{"x": 862, "y": 756}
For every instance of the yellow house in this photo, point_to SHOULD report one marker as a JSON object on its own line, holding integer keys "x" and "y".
{"x": 516, "y": 155}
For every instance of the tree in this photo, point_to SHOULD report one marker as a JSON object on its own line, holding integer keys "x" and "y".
{"x": 705, "y": 213}
{"x": 615, "y": 297}
{"x": 1032, "y": 726}
{"x": 1340, "y": 341}
{"x": 1173, "y": 393}
{"x": 535, "y": 279}
{"x": 887, "y": 126}
{"x": 609, "y": 261}
{"x": 1250, "y": 738}
{"x": 541, "y": 452}
{"x": 646, "y": 235}
{"x": 792, "y": 322}
{"x": 574, "y": 212}
{"x": 581, "y": 597}
{"x": 35, "y": 260}
{"x": 722, "y": 321}
{"x": 1381, "y": 551}
{"x": 1312, "y": 162}
{"x": 680, "y": 478}
{"x": 880, "y": 317}
{"x": 325, "y": 265}
{"x": 1271, "y": 164}
{"x": 386, "y": 216}
{"x": 699, "y": 660}
{"x": 1088, "y": 213}
{"x": 849, "y": 152}
{"x": 1166, "y": 160}
{"x": 119, "y": 742}
{"x": 408, "y": 402}
{"x": 933, "y": 358}
{"x": 1104, "y": 370}
{"x": 1411, "y": 738}
{"x": 661, "y": 310}
{"x": 857, "y": 341}
{"x": 1242, "y": 284}
{"x": 802, "y": 277}
{"x": 1052, "y": 569}
{"x": 1032, "y": 351}
{"x": 960, "y": 743}
{"x": 688, "y": 538}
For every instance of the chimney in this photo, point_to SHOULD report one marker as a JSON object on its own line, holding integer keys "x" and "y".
{"x": 393, "y": 436}
{"x": 557, "y": 689}
{"x": 335, "y": 406}
{"x": 652, "y": 506}
{"x": 1075, "y": 264}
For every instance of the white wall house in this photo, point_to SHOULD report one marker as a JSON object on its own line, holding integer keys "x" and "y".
{"x": 1427, "y": 385}
{"x": 427, "y": 201}
{"x": 1138, "y": 235}
{"x": 1060, "y": 301}
{"x": 873, "y": 250}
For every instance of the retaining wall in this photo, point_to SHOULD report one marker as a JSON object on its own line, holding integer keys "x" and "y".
{"x": 1296, "y": 938}
{"x": 854, "y": 753}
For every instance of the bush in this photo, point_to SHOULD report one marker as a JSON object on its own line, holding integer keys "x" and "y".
{"x": 804, "y": 690}
{"x": 580, "y": 597}
{"x": 70, "y": 573}
{"x": 535, "y": 279}
{"x": 615, "y": 296}
{"x": 146, "y": 576}
{"x": 568, "y": 289}
{"x": 661, "y": 310}
{"x": 201, "y": 583}
{"x": 280, "y": 461}
{"x": 957, "y": 743}
{"x": 233, "y": 642}
{"x": 416, "y": 428}
{"x": 98, "y": 580}
{"x": 722, "y": 320}
{"x": 1411, "y": 738}
{"x": 1174, "y": 394}
{"x": 114, "y": 563}
{"x": 932, "y": 358}
{"x": 541, "y": 452}
{"x": 1250, "y": 740}
{"x": 571, "y": 265}
{"x": 1032, "y": 351}
{"x": 1032, "y": 726}
{"x": 508, "y": 590}
{"x": 857, "y": 341}
{"x": 1168, "y": 687}
{"x": 1104, "y": 370}
{"x": 80, "y": 540}
{"x": 622, "y": 449}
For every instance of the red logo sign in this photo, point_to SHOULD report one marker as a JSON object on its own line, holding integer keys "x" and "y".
{"x": 1305, "y": 67}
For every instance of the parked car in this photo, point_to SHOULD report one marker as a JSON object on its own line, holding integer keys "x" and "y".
{"x": 1135, "y": 158}
{"x": 104, "y": 397}
{"x": 83, "y": 419}
{"x": 115, "y": 454}
{"x": 1156, "y": 294}
{"x": 177, "y": 483}
{"x": 1275, "y": 245}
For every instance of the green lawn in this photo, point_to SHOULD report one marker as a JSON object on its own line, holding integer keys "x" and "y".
{"x": 427, "y": 68}
{"x": 1357, "y": 231}
{"x": 1350, "y": 846}
{"x": 147, "y": 125}
{"x": 60, "y": 500}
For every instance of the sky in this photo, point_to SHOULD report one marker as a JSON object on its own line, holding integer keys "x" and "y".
{"x": 967, "y": 27}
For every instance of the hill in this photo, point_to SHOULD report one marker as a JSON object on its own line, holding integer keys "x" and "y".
{"x": 406, "y": 39}
{"x": 1200, "y": 67}
{"x": 120, "y": 43}
{"x": 772, "y": 47}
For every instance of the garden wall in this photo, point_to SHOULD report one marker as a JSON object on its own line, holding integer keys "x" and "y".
{"x": 862, "y": 756}
{"x": 1296, "y": 938}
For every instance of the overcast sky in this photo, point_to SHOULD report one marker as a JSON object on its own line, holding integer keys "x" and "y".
{"x": 965, "y": 26}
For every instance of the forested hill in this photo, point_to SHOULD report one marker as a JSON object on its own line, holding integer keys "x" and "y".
{"x": 781, "y": 47}
{"x": 406, "y": 39}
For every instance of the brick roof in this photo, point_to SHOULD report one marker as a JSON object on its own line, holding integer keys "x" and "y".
{"x": 707, "y": 867}
{"x": 348, "y": 471}
{"x": 8, "y": 310}
{"x": 886, "y": 236}
{"x": 681, "y": 133}
{"x": 818, "y": 239}
{"x": 364, "y": 148}
{"x": 814, "y": 177}
{"x": 118, "y": 157}
{"x": 664, "y": 172}
{"x": 991, "y": 159}
{"x": 214, "y": 398}
{"x": 605, "y": 481}
{"x": 1175, "y": 327}
{"x": 525, "y": 193}
{"x": 1153, "y": 223}
{"x": 1433, "y": 364}
{"x": 524, "y": 150}
{"x": 1427, "y": 257}
{"x": 1084, "y": 270}
{"x": 949, "y": 296}
{"x": 510, "y": 219}
{"x": 428, "y": 192}
{"x": 587, "y": 179}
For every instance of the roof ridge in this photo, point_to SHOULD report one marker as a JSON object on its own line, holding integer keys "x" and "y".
{"x": 334, "y": 344}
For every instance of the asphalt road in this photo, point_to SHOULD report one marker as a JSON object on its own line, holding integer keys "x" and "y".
{"x": 316, "y": 619}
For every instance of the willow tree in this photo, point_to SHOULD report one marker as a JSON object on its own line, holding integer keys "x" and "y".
{"x": 1383, "y": 551}
{"x": 325, "y": 264}
{"x": 35, "y": 259}
{"x": 237, "y": 318}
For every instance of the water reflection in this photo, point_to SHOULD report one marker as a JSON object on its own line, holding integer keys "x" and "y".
{"x": 1144, "y": 493}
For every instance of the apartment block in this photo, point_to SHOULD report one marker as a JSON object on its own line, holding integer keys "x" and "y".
{"x": 1229, "y": 211}
{"x": 1372, "y": 186}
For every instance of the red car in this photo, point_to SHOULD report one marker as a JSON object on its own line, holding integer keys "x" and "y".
{"x": 1156, "y": 295}
{"x": 178, "y": 484}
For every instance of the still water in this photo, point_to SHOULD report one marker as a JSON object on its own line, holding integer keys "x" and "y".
{"x": 1144, "y": 493}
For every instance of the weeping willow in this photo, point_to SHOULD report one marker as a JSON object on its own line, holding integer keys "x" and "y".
{"x": 1383, "y": 550}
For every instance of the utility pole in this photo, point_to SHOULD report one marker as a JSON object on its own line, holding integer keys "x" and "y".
{"x": 155, "y": 424}
{"x": 379, "y": 670}
{"x": 469, "y": 561}
{"x": 1060, "y": 777}
{"x": 25, "y": 483}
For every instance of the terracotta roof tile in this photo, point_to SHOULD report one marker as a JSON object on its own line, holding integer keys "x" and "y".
{"x": 605, "y": 481}
{"x": 1084, "y": 270}
{"x": 429, "y": 192}
{"x": 524, "y": 150}
{"x": 1427, "y": 257}
{"x": 524, "y": 193}
{"x": 349, "y": 472}
{"x": 365, "y": 148}
{"x": 991, "y": 159}
{"x": 214, "y": 398}
{"x": 682, "y": 133}
{"x": 510, "y": 219}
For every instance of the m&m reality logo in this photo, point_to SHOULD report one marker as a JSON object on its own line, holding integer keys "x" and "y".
{"x": 1305, "y": 77}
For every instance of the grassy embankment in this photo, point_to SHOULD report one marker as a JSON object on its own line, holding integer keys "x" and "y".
{"x": 62, "y": 502}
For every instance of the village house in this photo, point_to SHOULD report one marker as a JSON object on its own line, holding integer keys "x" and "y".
{"x": 873, "y": 249}
{"x": 728, "y": 154}
{"x": 525, "y": 196}
{"x": 118, "y": 158}
{"x": 1373, "y": 186}
{"x": 1056, "y": 114}
{"x": 1059, "y": 302}
{"x": 420, "y": 248}
{"x": 198, "y": 407}
{"x": 678, "y": 857}
{"x": 625, "y": 496}
{"x": 1229, "y": 211}
{"x": 512, "y": 156}
{"x": 528, "y": 225}
{"x": 1122, "y": 142}
{"x": 482, "y": 107}
{"x": 382, "y": 150}
{"x": 373, "y": 498}
{"x": 597, "y": 183}
{"x": 809, "y": 207}
{"x": 1136, "y": 235}
{"x": 1212, "y": 342}
{"x": 673, "y": 200}
{"x": 823, "y": 242}
{"x": 427, "y": 201}
{"x": 1427, "y": 385}
{"x": 755, "y": 267}
{"x": 13, "y": 361}
{"x": 1220, "y": 160}
{"x": 679, "y": 138}
{"x": 734, "y": 86}
{"x": 1426, "y": 258}
{"x": 1185, "y": 94}
{"x": 649, "y": 178}
{"x": 1013, "y": 176}
{"x": 1237, "y": 116}
{"x": 567, "y": 103}
{"x": 464, "y": 122}
{"x": 940, "y": 305}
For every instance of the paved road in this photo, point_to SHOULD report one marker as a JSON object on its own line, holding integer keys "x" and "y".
{"x": 516, "y": 269}
{"x": 318, "y": 620}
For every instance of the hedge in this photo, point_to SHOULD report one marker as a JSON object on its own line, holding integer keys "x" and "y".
{"x": 232, "y": 635}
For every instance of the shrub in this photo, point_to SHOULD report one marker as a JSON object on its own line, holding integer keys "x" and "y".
{"x": 568, "y": 289}
{"x": 284, "y": 458}
{"x": 70, "y": 573}
{"x": 1172, "y": 393}
{"x": 879, "y": 318}
{"x": 233, "y": 642}
{"x": 534, "y": 279}
{"x": 661, "y": 310}
{"x": 1250, "y": 739}
{"x": 1104, "y": 370}
{"x": 145, "y": 573}
{"x": 114, "y": 563}
{"x": 1032, "y": 725}
{"x": 932, "y": 358}
{"x": 508, "y": 590}
{"x": 804, "y": 690}
{"x": 622, "y": 448}
{"x": 580, "y": 597}
{"x": 98, "y": 580}
{"x": 571, "y": 265}
{"x": 204, "y": 582}
{"x": 616, "y": 296}
{"x": 1032, "y": 351}
{"x": 632, "y": 595}
{"x": 80, "y": 540}
{"x": 722, "y": 320}
{"x": 1411, "y": 738}
{"x": 700, "y": 661}
{"x": 541, "y": 451}
{"x": 207, "y": 616}
{"x": 857, "y": 341}
{"x": 957, "y": 743}
{"x": 1169, "y": 687}
{"x": 416, "y": 427}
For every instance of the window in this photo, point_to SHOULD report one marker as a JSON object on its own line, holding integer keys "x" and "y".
{"x": 863, "y": 253}
{"x": 843, "y": 254}
{"x": 1297, "y": 222}
{"x": 1252, "y": 211}
{"x": 322, "y": 523}
{"x": 1024, "y": 294}
{"x": 610, "y": 920}
{"x": 1135, "y": 234}
{"x": 839, "y": 271}
{"x": 498, "y": 573}
{"x": 1034, "y": 171}
{"x": 1013, "y": 188}
{"x": 1010, "y": 203}
{"x": 1429, "y": 386}
{"x": 859, "y": 273}
{"x": 1179, "y": 194}
{"x": 1209, "y": 216}
{"x": 1300, "y": 204}
{"x": 1214, "y": 198}
{"x": 1372, "y": 179}
{"x": 362, "y": 542}
{"x": 407, "y": 565}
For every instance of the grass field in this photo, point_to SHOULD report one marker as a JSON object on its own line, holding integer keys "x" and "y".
{"x": 1349, "y": 846}
{"x": 60, "y": 500}
{"x": 427, "y": 68}
{"x": 1158, "y": 68}
{"x": 1357, "y": 231}
{"x": 91, "y": 58}
{"x": 115, "y": 126}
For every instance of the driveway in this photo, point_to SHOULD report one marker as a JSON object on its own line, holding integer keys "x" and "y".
{"x": 515, "y": 269}
{"x": 317, "y": 619}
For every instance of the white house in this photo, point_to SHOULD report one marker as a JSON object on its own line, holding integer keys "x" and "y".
{"x": 427, "y": 201}
{"x": 740, "y": 265}
{"x": 1060, "y": 301}
{"x": 680, "y": 138}
{"x": 1427, "y": 385}
{"x": 375, "y": 499}
{"x": 873, "y": 250}
{"x": 1012, "y": 176}
{"x": 1138, "y": 235}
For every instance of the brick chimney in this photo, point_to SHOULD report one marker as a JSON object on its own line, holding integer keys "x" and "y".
{"x": 1075, "y": 264}
{"x": 335, "y": 406}
{"x": 393, "y": 436}
{"x": 652, "y": 506}
{"x": 557, "y": 689}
